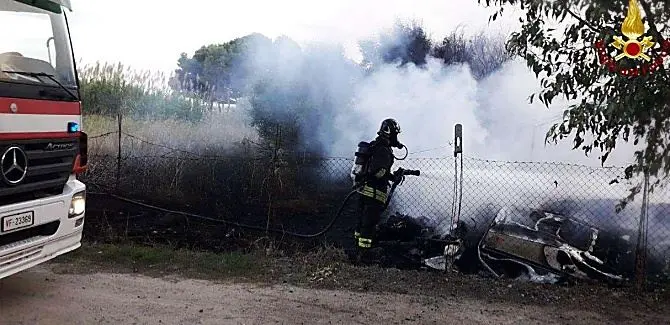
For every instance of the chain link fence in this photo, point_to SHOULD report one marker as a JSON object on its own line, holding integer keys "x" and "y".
{"x": 658, "y": 232}
{"x": 267, "y": 188}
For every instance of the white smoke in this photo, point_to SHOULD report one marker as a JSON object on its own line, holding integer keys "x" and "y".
{"x": 498, "y": 120}
{"x": 426, "y": 102}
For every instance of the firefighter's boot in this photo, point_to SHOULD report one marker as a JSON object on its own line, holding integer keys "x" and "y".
{"x": 367, "y": 254}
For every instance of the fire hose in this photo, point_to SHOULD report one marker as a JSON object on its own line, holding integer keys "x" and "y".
{"x": 399, "y": 177}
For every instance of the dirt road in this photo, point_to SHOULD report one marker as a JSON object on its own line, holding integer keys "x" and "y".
{"x": 40, "y": 296}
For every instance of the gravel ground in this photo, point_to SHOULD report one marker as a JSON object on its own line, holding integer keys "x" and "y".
{"x": 46, "y": 295}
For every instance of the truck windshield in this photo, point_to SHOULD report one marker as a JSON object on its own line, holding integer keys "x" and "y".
{"x": 35, "y": 41}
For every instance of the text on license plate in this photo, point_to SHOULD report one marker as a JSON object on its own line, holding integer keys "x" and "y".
{"x": 16, "y": 221}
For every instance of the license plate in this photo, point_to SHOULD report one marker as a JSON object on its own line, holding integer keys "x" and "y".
{"x": 17, "y": 221}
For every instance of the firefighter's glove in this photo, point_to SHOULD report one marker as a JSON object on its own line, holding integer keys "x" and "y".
{"x": 397, "y": 177}
{"x": 381, "y": 173}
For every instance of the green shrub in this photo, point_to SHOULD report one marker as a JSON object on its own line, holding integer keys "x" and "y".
{"x": 110, "y": 89}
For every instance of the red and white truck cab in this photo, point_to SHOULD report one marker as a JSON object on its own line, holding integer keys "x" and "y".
{"x": 42, "y": 146}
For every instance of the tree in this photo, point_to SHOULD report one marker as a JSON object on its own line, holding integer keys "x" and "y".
{"x": 609, "y": 105}
{"x": 485, "y": 54}
{"x": 219, "y": 70}
{"x": 297, "y": 96}
{"x": 187, "y": 75}
{"x": 453, "y": 49}
{"x": 404, "y": 43}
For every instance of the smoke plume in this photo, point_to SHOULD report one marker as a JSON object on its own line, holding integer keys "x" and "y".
{"x": 333, "y": 103}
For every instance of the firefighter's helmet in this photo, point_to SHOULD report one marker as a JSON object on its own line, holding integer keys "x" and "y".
{"x": 389, "y": 128}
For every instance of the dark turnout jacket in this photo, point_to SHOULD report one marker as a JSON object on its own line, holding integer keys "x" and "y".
{"x": 379, "y": 166}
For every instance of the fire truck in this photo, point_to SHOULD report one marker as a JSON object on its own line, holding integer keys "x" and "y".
{"x": 42, "y": 146}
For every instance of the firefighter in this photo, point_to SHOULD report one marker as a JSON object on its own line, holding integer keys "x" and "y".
{"x": 376, "y": 177}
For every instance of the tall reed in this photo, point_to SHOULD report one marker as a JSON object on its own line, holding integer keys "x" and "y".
{"x": 110, "y": 89}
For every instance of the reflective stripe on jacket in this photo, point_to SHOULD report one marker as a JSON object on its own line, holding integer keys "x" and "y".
{"x": 364, "y": 242}
{"x": 373, "y": 193}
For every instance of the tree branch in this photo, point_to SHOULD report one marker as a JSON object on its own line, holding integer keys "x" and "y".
{"x": 589, "y": 25}
{"x": 650, "y": 20}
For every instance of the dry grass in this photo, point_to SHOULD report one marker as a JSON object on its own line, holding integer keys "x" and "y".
{"x": 126, "y": 75}
{"x": 156, "y": 154}
{"x": 218, "y": 131}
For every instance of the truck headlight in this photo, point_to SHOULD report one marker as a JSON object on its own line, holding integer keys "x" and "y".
{"x": 78, "y": 205}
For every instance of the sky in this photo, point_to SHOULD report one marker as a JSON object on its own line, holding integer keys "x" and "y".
{"x": 150, "y": 34}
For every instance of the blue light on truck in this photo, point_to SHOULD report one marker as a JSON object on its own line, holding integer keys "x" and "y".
{"x": 72, "y": 127}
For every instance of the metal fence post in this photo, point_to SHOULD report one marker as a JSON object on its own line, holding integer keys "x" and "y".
{"x": 641, "y": 249}
{"x": 118, "y": 155}
{"x": 273, "y": 179}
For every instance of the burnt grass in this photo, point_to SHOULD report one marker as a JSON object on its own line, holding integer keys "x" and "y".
{"x": 111, "y": 219}
{"x": 228, "y": 203}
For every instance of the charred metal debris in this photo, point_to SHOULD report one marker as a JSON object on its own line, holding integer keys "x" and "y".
{"x": 527, "y": 244}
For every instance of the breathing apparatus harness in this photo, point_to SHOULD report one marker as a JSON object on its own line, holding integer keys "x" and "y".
{"x": 362, "y": 159}
{"x": 388, "y": 131}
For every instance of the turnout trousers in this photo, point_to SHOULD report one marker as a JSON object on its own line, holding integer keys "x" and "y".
{"x": 369, "y": 213}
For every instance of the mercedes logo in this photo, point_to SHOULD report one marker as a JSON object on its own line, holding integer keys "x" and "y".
{"x": 13, "y": 165}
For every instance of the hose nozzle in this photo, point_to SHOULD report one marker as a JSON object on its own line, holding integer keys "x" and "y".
{"x": 413, "y": 172}
{"x": 408, "y": 172}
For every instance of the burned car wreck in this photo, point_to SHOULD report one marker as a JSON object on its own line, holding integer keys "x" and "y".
{"x": 537, "y": 245}
{"x": 551, "y": 246}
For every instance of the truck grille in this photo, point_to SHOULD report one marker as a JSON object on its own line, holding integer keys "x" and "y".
{"x": 50, "y": 163}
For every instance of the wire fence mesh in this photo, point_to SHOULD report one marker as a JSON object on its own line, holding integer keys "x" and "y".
{"x": 658, "y": 232}
{"x": 265, "y": 187}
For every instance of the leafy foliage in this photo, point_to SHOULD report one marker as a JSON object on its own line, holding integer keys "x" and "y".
{"x": 108, "y": 89}
{"x": 297, "y": 96}
{"x": 485, "y": 54}
{"x": 219, "y": 71}
{"x": 609, "y": 106}
{"x": 404, "y": 43}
